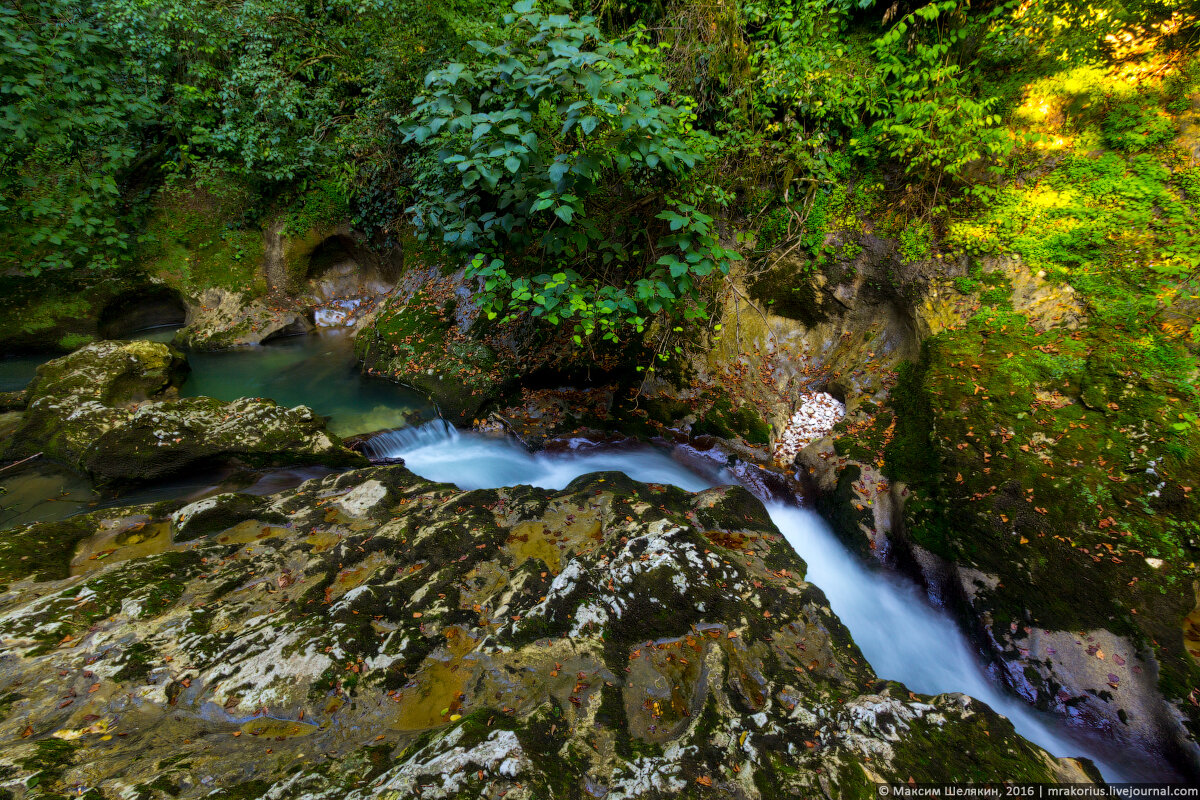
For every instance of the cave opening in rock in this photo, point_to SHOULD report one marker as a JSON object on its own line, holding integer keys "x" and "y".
{"x": 140, "y": 310}
{"x": 333, "y": 252}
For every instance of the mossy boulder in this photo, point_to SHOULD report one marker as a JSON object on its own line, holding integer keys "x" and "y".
{"x": 111, "y": 373}
{"x": 1038, "y": 477}
{"x": 426, "y": 340}
{"x": 109, "y": 411}
{"x": 372, "y": 633}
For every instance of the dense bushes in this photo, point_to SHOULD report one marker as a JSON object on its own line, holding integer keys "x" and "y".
{"x": 585, "y": 168}
{"x": 101, "y": 102}
{"x": 554, "y": 157}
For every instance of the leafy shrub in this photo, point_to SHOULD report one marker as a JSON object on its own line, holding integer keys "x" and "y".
{"x": 1135, "y": 125}
{"x": 932, "y": 120}
{"x": 520, "y": 156}
{"x": 70, "y": 120}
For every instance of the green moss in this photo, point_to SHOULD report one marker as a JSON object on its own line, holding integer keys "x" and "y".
{"x": 199, "y": 237}
{"x": 562, "y": 769}
{"x": 981, "y": 747}
{"x": 49, "y": 761}
{"x": 250, "y": 790}
{"x": 1048, "y": 460}
{"x": 839, "y": 508}
{"x": 909, "y": 456}
{"x": 162, "y": 785}
{"x": 417, "y": 343}
{"x": 323, "y": 206}
{"x": 72, "y": 341}
{"x": 137, "y": 661}
{"x": 861, "y": 443}
{"x": 723, "y": 419}
{"x": 42, "y": 313}
{"x": 43, "y": 550}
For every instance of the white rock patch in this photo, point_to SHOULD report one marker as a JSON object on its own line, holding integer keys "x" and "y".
{"x": 818, "y": 413}
{"x": 362, "y": 498}
{"x": 448, "y": 773}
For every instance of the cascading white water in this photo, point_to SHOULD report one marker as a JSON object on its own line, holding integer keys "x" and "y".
{"x": 901, "y": 634}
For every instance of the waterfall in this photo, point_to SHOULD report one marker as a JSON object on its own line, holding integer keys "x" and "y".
{"x": 903, "y": 637}
{"x": 391, "y": 444}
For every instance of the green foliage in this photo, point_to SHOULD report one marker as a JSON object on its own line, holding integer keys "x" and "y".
{"x": 1136, "y": 125}
{"x": 916, "y": 241}
{"x": 1122, "y": 229}
{"x": 100, "y": 102}
{"x": 520, "y": 155}
{"x": 73, "y": 341}
{"x": 324, "y": 204}
{"x": 70, "y": 121}
{"x": 931, "y": 118}
{"x": 809, "y": 67}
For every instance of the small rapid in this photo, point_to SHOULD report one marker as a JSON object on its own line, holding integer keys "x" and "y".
{"x": 901, "y": 634}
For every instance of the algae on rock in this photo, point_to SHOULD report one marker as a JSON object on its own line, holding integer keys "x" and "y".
{"x": 109, "y": 411}
{"x": 372, "y": 632}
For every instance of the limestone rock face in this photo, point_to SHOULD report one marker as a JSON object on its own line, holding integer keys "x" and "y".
{"x": 792, "y": 331}
{"x": 424, "y": 337}
{"x": 374, "y": 635}
{"x": 108, "y": 410}
{"x": 221, "y": 319}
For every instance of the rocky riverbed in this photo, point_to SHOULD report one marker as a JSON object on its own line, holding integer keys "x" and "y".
{"x": 372, "y": 634}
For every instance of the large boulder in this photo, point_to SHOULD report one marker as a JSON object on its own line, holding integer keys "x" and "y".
{"x": 425, "y": 336}
{"x": 374, "y": 635}
{"x": 110, "y": 411}
{"x": 222, "y": 318}
{"x": 1052, "y": 499}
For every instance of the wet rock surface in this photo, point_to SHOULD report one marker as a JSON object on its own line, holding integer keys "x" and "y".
{"x": 1014, "y": 470}
{"x": 374, "y": 635}
{"x": 222, "y": 318}
{"x": 109, "y": 410}
{"x": 424, "y": 337}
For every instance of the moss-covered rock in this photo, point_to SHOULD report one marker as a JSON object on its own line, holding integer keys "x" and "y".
{"x": 13, "y": 401}
{"x": 1037, "y": 475}
{"x": 108, "y": 410}
{"x": 425, "y": 340}
{"x": 1058, "y": 485}
{"x": 57, "y": 313}
{"x": 372, "y": 632}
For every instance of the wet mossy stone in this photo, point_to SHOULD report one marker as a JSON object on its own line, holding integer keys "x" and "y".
{"x": 218, "y": 513}
{"x": 13, "y": 401}
{"x": 42, "y": 550}
{"x": 113, "y": 373}
{"x": 1061, "y": 476}
{"x": 164, "y": 439}
{"x": 726, "y": 421}
{"x": 418, "y": 343}
{"x": 610, "y": 636}
{"x": 731, "y": 508}
{"x": 109, "y": 411}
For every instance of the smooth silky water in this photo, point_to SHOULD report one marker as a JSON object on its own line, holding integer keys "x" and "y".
{"x": 901, "y": 634}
